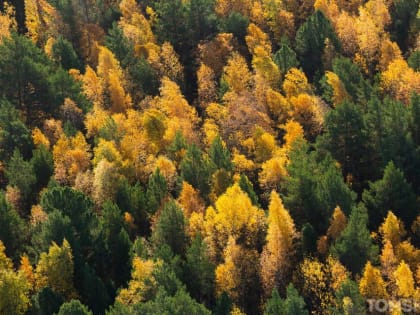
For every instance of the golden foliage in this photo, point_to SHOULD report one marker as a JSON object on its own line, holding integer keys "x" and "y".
{"x": 388, "y": 262}
{"x": 265, "y": 67}
{"x": 180, "y": 115}
{"x": 338, "y": 223}
{"x": 345, "y": 28}
{"x": 15, "y": 199}
{"x": 236, "y": 74}
{"x": 106, "y": 150}
{"x": 91, "y": 36}
{"x": 95, "y": 120}
{"x": 206, "y": 85}
{"x": 329, "y": 8}
{"x": 257, "y": 38}
{"x": 242, "y": 164}
{"x": 7, "y": 20}
{"x": 405, "y": 281}
{"x": 27, "y": 270}
{"x": 133, "y": 23}
{"x": 71, "y": 156}
{"x": 234, "y": 216}
{"x": 84, "y": 182}
{"x": 210, "y": 131}
{"x": 238, "y": 271}
{"x": 278, "y": 253}
{"x": 113, "y": 82}
{"x": 42, "y": 21}
{"x": 410, "y": 254}
{"x": 105, "y": 181}
{"x": 392, "y": 229}
{"x": 339, "y": 91}
{"x": 225, "y": 7}
{"x": 296, "y": 83}
{"x": 169, "y": 64}
{"x": 53, "y": 130}
{"x": 280, "y": 21}
{"x": 278, "y": 105}
{"x": 141, "y": 283}
{"x": 196, "y": 225}
{"x": 308, "y": 111}
{"x": 55, "y": 269}
{"x": 216, "y": 52}
{"x": 318, "y": 282}
{"x": 38, "y": 215}
{"x": 92, "y": 87}
{"x": 293, "y": 132}
{"x": 273, "y": 172}
{"x": 400, "y": 81}
{"x": 190, "y": 200}
{"x": 5, "y": 262}
{"x": 167, "y": 169}
{"x": 372, "y": 285}
{"x": 389, "y": 52}
{"x": 264, "y": 145}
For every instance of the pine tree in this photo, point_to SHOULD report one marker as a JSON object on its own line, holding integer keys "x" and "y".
{"x": 246, "y": 185}
{"x": 349, "y": 300}
{"x": 156, "y": 192}
{"x": 294, "y": 303}
{"x": 12, "y": 229}
{"x": 310, "y": 41}
{"x": 354, "y": 246}
{"x": 220, "y": 155}
{"x": 285, "y": 58}
{"x": 170, "y": 229}
{"x": 199, "y": 271}
{"x": 13, "y": 132}
{"x": 275, "y": 305}
{"x": 74, "y": 307}
{"x": 196, "y": 169}
{"x": 391, "y": 192}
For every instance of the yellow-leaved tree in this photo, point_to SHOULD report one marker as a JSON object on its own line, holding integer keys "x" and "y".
{"x": 277, "y": 256}
{"x": 319, "y": 282}
{"x": 405, "y": 281}
{"x": 180, "y": 115}
{"x": 55, "y": 269}
{"x": 141, "y": 284}
{"x": 190, "y": 200}
{"x": 372, "y": 285}
{"x": 113, "y": 82}
{"x": 238, "y": 275}
{"x": 234, "y": 216}
{"x": 236, "y": 74}
{"x": 400, "y": 81}
{"x": 14, "y": 287}
{"x": 338, "y": 223}
{"x": 392, "y": 229}
{"x": 7, "y": 21}
{"x": 71, "y": 156}
{"x": 42, "y": 21}
{"x": 206, "y": 85}
{"x": 133, "y": 23}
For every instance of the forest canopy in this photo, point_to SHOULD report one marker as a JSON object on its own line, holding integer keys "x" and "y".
{"x": 192, "y": 157}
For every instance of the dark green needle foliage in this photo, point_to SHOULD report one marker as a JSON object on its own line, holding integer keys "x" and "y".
{"x": 354, "y": 247}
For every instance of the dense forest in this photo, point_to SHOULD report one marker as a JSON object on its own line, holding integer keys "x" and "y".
{"x": 198, "y": 157}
